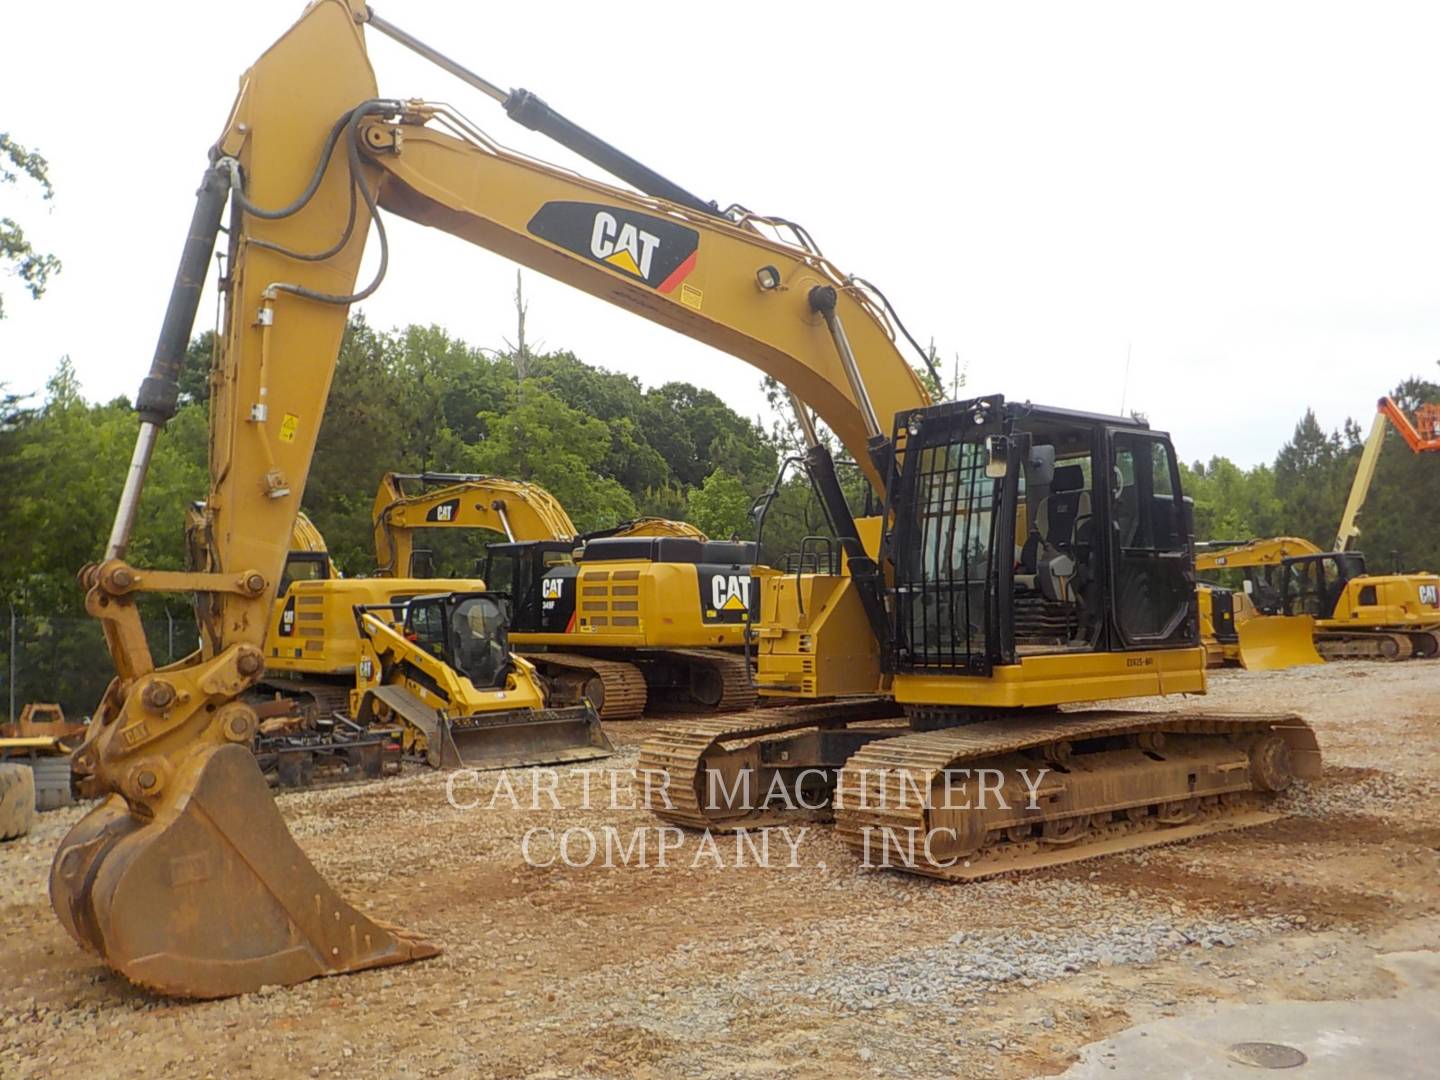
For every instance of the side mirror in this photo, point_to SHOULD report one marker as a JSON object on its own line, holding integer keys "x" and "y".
{"x": 997, "y": 456}
{"x": 1040, "y": 466}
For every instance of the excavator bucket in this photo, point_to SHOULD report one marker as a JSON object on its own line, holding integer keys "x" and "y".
{"x": 1275, "y": 642}
{"x": 212, "y": 896}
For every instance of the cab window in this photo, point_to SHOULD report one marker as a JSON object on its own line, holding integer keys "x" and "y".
{"x": 427, "y": 629}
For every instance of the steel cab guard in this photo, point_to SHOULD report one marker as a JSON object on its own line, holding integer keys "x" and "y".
{"x": 1037, "y": 553}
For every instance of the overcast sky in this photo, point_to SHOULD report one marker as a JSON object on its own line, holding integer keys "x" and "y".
{"x": 1241, "y": 197}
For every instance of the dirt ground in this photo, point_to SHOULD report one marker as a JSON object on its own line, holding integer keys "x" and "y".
{"x": 820, "y": 968}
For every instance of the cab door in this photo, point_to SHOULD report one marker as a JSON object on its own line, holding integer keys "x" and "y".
{"x": 1151, "y": 566}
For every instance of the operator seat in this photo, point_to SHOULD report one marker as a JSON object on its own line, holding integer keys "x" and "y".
{"x": 1062, "y": 525}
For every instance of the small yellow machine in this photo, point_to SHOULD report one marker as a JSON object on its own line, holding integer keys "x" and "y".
{"x": 462, "y": 698}
{"x": 312, "y": 649}
{"x": 41, "y": 741}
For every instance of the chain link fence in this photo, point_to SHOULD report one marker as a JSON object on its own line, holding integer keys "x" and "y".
{"x": 64, "y": 659}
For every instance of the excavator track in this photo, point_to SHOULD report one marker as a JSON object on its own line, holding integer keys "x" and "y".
{"x": 1425, "y": 643}
{"x": 1112, "y": 782}
{"x": 719, "y": 681}
{"x": 1368, "y": 645}
{"x": 684, "y": 753}
{"x": 621, "y": 686}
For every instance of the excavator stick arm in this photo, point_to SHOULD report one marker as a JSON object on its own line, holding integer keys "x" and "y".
{"x": 185, "y": 879}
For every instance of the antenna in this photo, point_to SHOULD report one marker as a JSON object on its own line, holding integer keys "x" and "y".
{"x": 1125, "y": 385}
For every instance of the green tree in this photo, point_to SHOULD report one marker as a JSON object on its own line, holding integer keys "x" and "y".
{"x": 540, "y": 438}
{"x": 33, "y": 268}
{"x": 69, "y": 461}
{"x": 720, "y": 507}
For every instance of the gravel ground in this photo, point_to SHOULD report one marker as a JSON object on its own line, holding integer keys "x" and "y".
{"x": 811, "y": 966}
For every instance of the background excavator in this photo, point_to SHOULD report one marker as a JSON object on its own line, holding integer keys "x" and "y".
{"x": 1351, "y": 614}
{"x": 648, "y": 612}
{"x": 185, "y": 878}
{"x": 410, "y": 507}
{"x": 1296, "y": 598}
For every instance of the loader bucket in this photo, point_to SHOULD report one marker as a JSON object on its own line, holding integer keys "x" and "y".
{"x": 1275, "y": 642}
{"x": 212, "y": 897}
{"x": 523, "y": 737}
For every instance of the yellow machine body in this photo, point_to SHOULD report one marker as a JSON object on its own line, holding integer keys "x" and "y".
{"x": 312, "y": 626}
{"x": 1352, "y": 613}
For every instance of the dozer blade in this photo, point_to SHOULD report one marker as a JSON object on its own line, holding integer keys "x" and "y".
{"x": 212, "y": 897}
{"x": 1274, "y": 642}
{"x": 523, "y": 737}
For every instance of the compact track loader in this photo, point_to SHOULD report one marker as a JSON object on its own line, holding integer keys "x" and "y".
{"x": 462, "y": 697}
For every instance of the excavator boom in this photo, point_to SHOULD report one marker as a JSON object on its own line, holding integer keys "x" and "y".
{"x": 185, "y": 878}
{"x": 513, "y": 508}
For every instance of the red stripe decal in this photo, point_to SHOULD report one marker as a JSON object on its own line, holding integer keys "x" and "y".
{"x": 681, "y": 272}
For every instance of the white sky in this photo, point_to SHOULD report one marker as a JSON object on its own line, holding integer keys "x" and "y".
{"x": 1241, "y": 195}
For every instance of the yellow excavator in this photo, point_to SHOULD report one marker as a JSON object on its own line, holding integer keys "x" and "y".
{"x": 1296, "y": 597}
{"x": 407, "y": 504}
{"x": 648, "y": 612}
{"x": 185, "y": 878}
{"x": 1329, "y": 596}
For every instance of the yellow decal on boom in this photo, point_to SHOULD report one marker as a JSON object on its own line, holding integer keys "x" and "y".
{"x": 288, "y": 426}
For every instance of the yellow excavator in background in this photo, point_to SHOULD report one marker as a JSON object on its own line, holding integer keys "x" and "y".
{"x": 1296, "y": 597}
{"x": 185, "y": 878}
{"x": 1350, "y": 613}
{"x": 521, "y": 510}
{"x": 648, "y": 612}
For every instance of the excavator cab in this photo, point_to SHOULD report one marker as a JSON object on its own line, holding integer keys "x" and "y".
{"x": 1313, "y": 584}
{"x": 534, "y": 575}
{"x": 1023, "y": 531}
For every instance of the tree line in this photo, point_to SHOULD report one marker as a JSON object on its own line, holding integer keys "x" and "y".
{"x": 1303, "y": 492}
